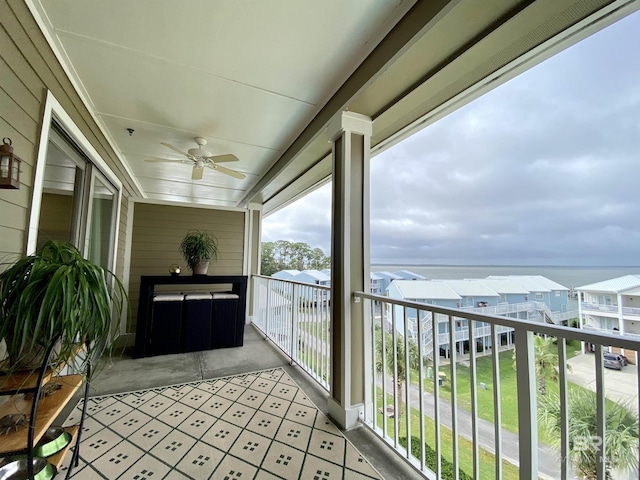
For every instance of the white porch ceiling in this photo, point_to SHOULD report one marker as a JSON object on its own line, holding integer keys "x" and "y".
{"x": 260, "y": 79}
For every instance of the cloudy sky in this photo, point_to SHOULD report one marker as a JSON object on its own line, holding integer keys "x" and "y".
{"x": 544, "y": 170}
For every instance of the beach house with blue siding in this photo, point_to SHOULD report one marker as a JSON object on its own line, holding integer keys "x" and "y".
{"x": 286, "y": 274}
{"x": 541, "y": 289}
{"x": 386, "y": 279}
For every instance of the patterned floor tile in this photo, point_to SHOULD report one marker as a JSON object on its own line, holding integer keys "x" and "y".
{"x": 263, "y": 385}
{"x": 232, "y": 468}
{"x": 275, "y": 406}
{"x": 195, "y": 398}
{"x": 323, "y": 423}
{"x": 283, "y": 460}
{"x": 302, "y": 399}
{"x": 318, "y": 469}
{"x": 197, "y": 424}
{"x": 238, "y": 414}
{"x": 231, "y": 391}
{"x": 149, "y": 435}
{"x": 156, "y": 405}
{"x": 251, "y": 447}
{"x": 175, "y": 414}
{"x": 287, "y": 392}
{"x": 302, "y": 414}
{"x": 172, "y": 448}
{"x": 99, "y": 444}
{"x": 112, "y": 413}
{"x": 147, "y": 468}
{"x": 242, "y": 380}
{"x": 222, "y": 435}
{"x": 252, "y": 398}
{"x": 216, "y": 406}
{"x": 264, "y": 423}
{"x": 89, "y": 428}
{"x": 200, "y": 461}
{"x": 294, "y": 434}
{"x": 130, "y": 423}
{"x": 328, "y": 446}
{"x": 177, "y": 392}
{"x": 135, "y": 399}
{"x": 118, "y": 459}
{"x": 212, "y": 386}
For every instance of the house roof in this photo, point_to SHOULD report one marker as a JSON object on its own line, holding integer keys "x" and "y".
{"x": 425, "y": 290}
{"x": 315, "y": 274}
{"x": 407, "y": 274}
{"x": 533, "y": 283}
{"x": 504, "y": 287}
{"x": 470, "y": 288}
{"x": 389, "y": 275}
{"x": 286, "y": 274}
{"x": 614, "y": 285}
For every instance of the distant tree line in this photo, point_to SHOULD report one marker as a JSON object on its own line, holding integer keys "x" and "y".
{"x": 285, "y": 255}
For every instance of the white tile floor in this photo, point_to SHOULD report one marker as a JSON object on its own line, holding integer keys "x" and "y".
{"x": 253, "y": 426}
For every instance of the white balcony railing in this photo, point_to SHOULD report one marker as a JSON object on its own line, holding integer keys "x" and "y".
{"x": 295, "y": 316}
{"x": 598, "y": 307}
{"x": 445, "y": 417}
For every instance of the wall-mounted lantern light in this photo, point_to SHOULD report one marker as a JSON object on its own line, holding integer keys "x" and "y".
{"x": 9, "y": 166}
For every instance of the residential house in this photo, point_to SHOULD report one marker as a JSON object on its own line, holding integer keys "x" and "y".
{"x": 286, "y": 274}
{"x": 612, "y": 306}
{"x": 386, "y": 278}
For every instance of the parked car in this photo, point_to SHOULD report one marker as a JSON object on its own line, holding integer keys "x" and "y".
{"x": 614, "y": 360}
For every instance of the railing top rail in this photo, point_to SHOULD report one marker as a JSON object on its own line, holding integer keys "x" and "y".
{"x": 544, "y": 328}
{"x": 321, "y": 287}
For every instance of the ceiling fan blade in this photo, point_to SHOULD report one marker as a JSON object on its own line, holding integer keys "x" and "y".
{"x": 223, "y": 158}
{"x": 176, "y": 149}
{"x": 227, "y": 171}
{"x": 197, "y": 172}
{"x": 165, "y": 160}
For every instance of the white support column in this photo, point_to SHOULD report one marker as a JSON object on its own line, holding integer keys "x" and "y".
{"x": 580, "y": 321}
{"x": 252, "y": 245}
{"x": 351, "y": 137}
{"x": 527, "y": 404}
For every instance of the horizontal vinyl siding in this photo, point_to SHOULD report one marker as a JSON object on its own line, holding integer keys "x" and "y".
{"x": 29, "y": 68}
{"x": 158, "y": 231}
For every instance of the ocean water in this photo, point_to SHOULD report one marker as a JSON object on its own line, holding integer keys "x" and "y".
{"x": 566, "y": 276}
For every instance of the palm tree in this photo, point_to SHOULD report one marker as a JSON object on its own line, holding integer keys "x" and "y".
{"x": 389, "y": 360}
{"x": 546, "y": 361}
{"x": 621, "y": 427}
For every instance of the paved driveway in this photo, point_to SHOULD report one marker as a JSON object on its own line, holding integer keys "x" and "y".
{"x": 619, "y": 385}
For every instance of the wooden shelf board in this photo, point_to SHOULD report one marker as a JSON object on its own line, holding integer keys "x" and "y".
{"x": 57, "y": 458}
{"x": 28, "y": 380}
{"x": 48, "y": 409}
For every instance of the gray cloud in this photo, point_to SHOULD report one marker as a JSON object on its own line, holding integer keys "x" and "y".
{"x": 542, "y": 170}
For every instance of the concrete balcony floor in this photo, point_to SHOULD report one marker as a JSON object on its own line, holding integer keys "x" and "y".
{"x": 122, "y": 373}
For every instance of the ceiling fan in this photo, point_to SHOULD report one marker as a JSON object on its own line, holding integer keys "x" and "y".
{"x": 201, "y": 158}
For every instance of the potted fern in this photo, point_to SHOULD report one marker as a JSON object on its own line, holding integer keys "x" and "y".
{"x": 198, "y": 249}
{"x": 56, "y": 291}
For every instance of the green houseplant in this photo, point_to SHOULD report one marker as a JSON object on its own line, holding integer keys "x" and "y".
{"x": 198, "y": 249}
{"x": 56, "y": 291}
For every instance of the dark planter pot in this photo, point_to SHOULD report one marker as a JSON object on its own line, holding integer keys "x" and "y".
{"x": 201, "y": 268}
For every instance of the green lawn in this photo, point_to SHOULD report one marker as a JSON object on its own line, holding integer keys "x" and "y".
{"x": 465, "y": 451}
{"x": 317, "y": 329}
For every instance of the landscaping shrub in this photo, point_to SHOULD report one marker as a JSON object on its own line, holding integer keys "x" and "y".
{"x": 431, "y": 459}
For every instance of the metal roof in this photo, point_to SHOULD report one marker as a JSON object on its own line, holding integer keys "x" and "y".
{"x": 529, "y": 282}
{"x": 407, "y": 274}
{"x": 614, "y": 285}
{"x": 503, "y": 286}
{"x": 470, "y": 288}
{"x": 425, "y": 290}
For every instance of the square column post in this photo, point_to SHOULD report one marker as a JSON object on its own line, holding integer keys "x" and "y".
{"x": 351, "y": 137}
{"x": 252, "y": 245}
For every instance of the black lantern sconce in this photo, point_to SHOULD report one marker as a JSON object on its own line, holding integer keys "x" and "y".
{"x": 9, "y": 166}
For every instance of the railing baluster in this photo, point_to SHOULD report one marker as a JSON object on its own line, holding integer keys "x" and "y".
{"x": 564, "y": 407}
{"x": 295, "y": 294}
{"x": 474, "y": 399}
{"x": 453, "y": 354}
{"x": 600, "y": 416}
{"x": 436, "y": 396}
{"x": 407, "y": 383}
{"x": 421, "y": 411}
{"x": 497, "y": 404}
{"x": 383, "y": 362}
{"x": 396, "y": 418}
